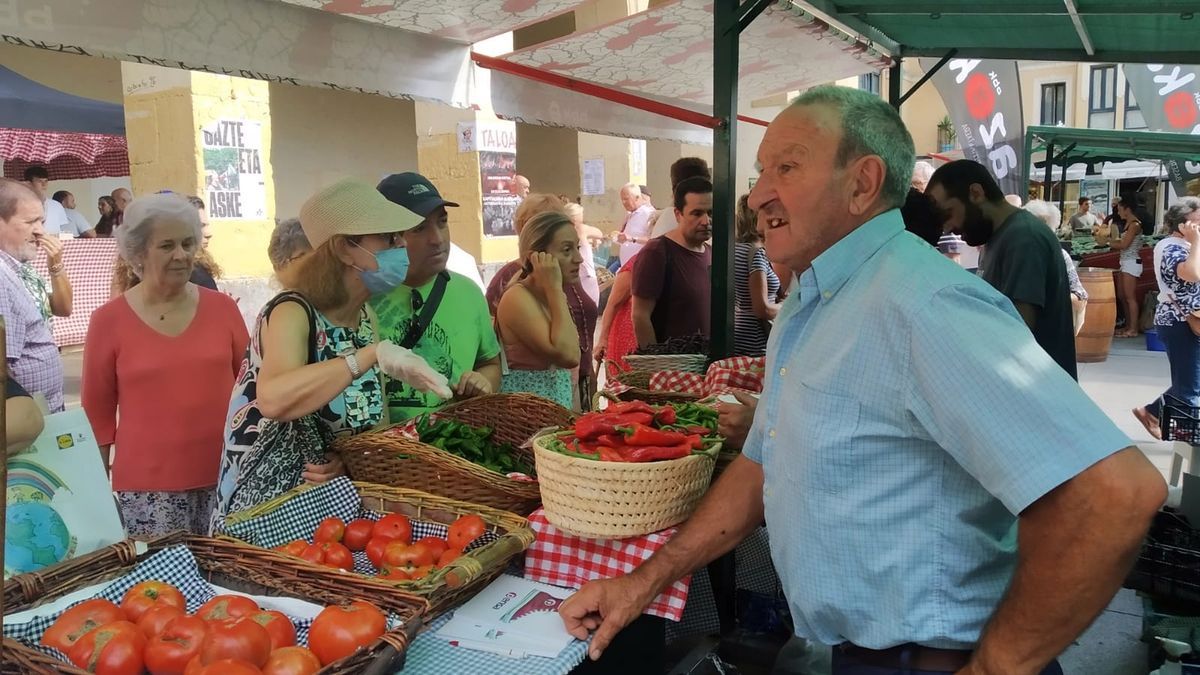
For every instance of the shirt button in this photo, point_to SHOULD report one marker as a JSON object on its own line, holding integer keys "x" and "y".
{"x": 782, "y": 372}
{"x": 827, "y": 295}
{"x": 771, "y": 433}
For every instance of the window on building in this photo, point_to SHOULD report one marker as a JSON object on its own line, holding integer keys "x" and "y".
{"x": 1102, "y": 98}
{"x": 1133, "y": 112}
{"x": 1054, "y": 103}
{"x": 870, "y": 82}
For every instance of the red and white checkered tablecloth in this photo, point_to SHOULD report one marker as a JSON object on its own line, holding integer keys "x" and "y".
{"x": 89, "y": 266}
{"x": 562, "y": 559}
{"x": 739, "y": 373}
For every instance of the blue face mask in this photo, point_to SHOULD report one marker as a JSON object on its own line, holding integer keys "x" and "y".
{"x": 393, "y": 268}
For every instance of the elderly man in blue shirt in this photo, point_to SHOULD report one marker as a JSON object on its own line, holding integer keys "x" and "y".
{"x": 972, "y": 520}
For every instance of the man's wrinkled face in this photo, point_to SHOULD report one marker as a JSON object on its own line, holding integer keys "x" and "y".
{"x": 630, "y": 199}
{"x": 122, "y": 198}
{"x": 19, "y": 234}
{"x": 965, "y": 219}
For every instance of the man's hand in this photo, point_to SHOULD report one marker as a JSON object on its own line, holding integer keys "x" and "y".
{"x": 605, "y": 607}
{"x": 473, "y": 384}
{"x": 53, "y": 247}
{"x": 734, "y": 422}
{"x": 621, "y": 238}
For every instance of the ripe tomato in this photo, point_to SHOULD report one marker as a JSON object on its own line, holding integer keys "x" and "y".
{"x": 375, "y": 549}
{"x": 313, "y": 553}
{"x": 358, "y": 533}
{"x": 293, "y": 547}
{"x": 242, "y": 639}
{"x": 338, "y": 631}
{"x": 393, "y": 573}
{"x": 228, "y": 667}
{"x": 465, "y": 530}
{"x": 394, "y": 526}
{"x": 436, "y": 545}
{"x": 156, "y": 619}
{"x": 337, "y": 555}
{"x": 449, "y": 556}
{"x": 78, "y": 621}
{"x": 399, "y": 554}
{"x": 147, "y": 594}
{"x": 170, "y": 652}
{"x": 279, "y": 627}
{"x": 420, "y": 572}
{"x": 292, "y": 661}
{"x": 114, "y": 648}
{"x": 330, "y": 529}
{"x": 227, "y": 607}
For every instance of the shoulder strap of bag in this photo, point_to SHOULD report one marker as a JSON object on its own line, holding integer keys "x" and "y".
{"x": 418, "y": 327}
{"x": 291, "y": 296}
{"x": 374, "y": 320}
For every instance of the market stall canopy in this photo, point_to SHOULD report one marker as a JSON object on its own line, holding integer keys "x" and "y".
{"x": 665, "y": 55}
{"x": 1092, "y": 146}
{"x": 1131, "y": 31}
{"x": 66, "y": 155}
{"x": 25, "y": 104}
{"x": 465, "y": 21}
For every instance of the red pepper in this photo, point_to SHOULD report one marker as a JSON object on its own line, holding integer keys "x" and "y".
{"x": 629, "y": 407}
{"x": 608, "y": 454}
{"x": 644, "y": 435}
{"x": 611, "y": 440}
{"x": 594, "y": 425}
{"x": 652, "y": 453}
{"x": 696, "y": 441}
{"x": 665, "y": 416}
{"x": 703, "y": 431}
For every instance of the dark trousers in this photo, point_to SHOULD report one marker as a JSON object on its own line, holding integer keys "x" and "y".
{"x": 846, "y": 665}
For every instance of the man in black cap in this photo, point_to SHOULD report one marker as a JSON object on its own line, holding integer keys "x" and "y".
{"x": 439, "y": 314}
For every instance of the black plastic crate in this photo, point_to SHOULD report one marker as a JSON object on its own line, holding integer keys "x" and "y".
{"x": 1180, "y": 421}
{"x": 1169, "y": 563}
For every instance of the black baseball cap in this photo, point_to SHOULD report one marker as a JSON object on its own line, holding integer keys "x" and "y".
{"x": 412, "y": 191}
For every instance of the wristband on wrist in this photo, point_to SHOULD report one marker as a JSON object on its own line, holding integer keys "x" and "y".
{"x": 352, "y": 364}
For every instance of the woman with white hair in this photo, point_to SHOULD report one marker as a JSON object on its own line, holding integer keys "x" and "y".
{"x": 158, "y": 366}
{"x": 1052, "y": 217}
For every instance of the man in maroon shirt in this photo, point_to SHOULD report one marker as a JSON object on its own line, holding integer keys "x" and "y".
{"x": 671, "y": 286}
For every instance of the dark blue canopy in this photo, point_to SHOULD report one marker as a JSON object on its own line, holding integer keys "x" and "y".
{"x": 25, "y": 104}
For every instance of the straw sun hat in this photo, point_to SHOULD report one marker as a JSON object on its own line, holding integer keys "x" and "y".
{"x": 349, "y": 208}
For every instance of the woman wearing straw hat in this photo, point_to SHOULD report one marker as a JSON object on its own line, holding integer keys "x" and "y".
{"x": 314, "y": 365}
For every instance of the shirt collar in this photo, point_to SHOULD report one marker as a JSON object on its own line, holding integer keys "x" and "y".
{"x": 833, "y": 268}
{"x": 11, "y": 262}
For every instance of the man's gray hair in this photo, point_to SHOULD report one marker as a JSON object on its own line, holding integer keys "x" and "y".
{"x": 922, "y": 171}
{"x": 143, "y": 213}
{"x": 1177, "y": 214}
{"x": 11, "y": 194}
{"x": 287, "y": 241}
{"x": 1046, "y": 212}
{"x": 869, "y": 127}
{"x": 633, "y": 188}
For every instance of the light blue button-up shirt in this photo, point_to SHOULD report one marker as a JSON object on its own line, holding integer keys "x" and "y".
{"x": 907, "y": 416}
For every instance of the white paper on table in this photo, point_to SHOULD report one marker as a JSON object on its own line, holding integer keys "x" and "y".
{"x": 472, "y": 634}
{"x": 521, "y": 609}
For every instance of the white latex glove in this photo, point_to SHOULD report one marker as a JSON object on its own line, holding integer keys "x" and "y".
{"x": 402, "y": 364}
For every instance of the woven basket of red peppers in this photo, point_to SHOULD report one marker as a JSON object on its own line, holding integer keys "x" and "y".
{"x": 630, "y": 470}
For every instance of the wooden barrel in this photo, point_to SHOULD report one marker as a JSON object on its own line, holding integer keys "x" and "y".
{"x": 1095, "y": 337}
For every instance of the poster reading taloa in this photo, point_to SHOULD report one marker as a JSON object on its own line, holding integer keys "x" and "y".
{"x": 233, "y": 170}
{"x": 497, "y": 170}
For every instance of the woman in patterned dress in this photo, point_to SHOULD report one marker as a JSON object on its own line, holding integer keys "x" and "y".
{"x": 314, "y": 366}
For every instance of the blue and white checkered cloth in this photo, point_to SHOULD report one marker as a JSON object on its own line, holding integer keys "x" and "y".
{"x": 431, "y": 655}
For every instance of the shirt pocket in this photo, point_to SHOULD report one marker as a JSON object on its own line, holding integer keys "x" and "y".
{"x": 824, "y": 455}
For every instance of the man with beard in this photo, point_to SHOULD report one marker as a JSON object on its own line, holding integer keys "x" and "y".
{"x": 1023, "y": 260}
{"x": 970, "y": 520}
{"x": 671, "y": 282}
{"x": 438, "y": 314}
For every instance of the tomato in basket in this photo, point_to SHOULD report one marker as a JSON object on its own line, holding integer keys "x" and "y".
{"x": 223, "y": 667}
{"x": 390, "y": 573}
{"x": 338, "y": 631}
{"x": 448, "y": 556}
{"x": 313, "y": 553}
{"x": 358, "y": 533}
{"x": 279, "y": 627}
{"x": 292, "y": 661}
{"x": 79, "y": 621}
{"x": 375, "y": 549}
{"x": 399, "y": 554}
{"x": 436, "y": 545}
{"x": 227, "y": 607}
{"x": 330, "y": 529}
{"x": 394, "y": 526}
{"x": 465, "y": 530}
{"x": 147, "y": 594}
{"x": 156, "y": 619}
{"x": 336, "y": 555}
{"x": 114, "y": 649}
{"x": 178, "y": 644}
{"x": 241, "y": 639}
{"x": 293, "y": 548}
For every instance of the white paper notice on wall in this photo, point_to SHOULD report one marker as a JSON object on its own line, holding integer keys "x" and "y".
{"x": 593, "y": 177}
{"x": 637, "y": 161}
{"x": 233, "y": 170}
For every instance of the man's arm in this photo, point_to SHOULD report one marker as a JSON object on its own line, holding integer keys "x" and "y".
{"x": 490, "y": 370}
{"x": 643, "y": 327}
{"x": 726, "y": 515}
{"x": 1028, "y": 312}
{"x": 1074, "y": 548}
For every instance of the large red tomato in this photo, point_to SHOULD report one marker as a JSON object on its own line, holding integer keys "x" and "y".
{"x": 241, "y": 639}
{"x": 294, "y": 548}
{"x": 465, "y": 530}
{"x": 313, "y": 553}
{"x": 228, "y": 667}
{"x": 279, "y": 627}
{"x": 394, "y": 526}
{"x": 169, "y": 652}
{"x": 337, "y": 555}
{"x": 330, "y": 529}
{"x": 358, "y": 533}
{"x": 436, "y": 545}
{"x": 112, "y": 649}
{"x": 147, "y": 594}
{"x": 399, "y": 554}
{"x": 338, "y": 631}
{"x": 227, "y": 607}
{"x": 393, "y": 573}
{"x": 78, "y": 621}
{"x": 292, "y": 661}
{"x": 375, "y": 549}
{"x": 156, "y": 619}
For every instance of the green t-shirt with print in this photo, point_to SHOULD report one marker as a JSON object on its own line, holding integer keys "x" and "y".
{"x": 459, "y": 337}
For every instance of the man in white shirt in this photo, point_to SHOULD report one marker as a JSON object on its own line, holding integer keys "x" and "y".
{"x": 684, "y": 168}
{"x": 38, "y": 179}
{"x": 636, "y": 231}
{"x": 77, "y": 225}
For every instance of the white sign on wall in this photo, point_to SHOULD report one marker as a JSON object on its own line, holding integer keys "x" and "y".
{"x": 637, "y": 162}
{"x": 593, "y": 177}
{"x": 498, "y": 136}
{"x": 233, "y": 170}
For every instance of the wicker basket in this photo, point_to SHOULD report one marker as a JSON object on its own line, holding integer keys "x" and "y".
{"x": 388, "y": 459}
{"x": 227, "y": 563}
{"x": 446, "y": 588}
{"x": 614, "y": 500}
{"x": 638, "y": 382}
{"x": 684, "y": 363}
